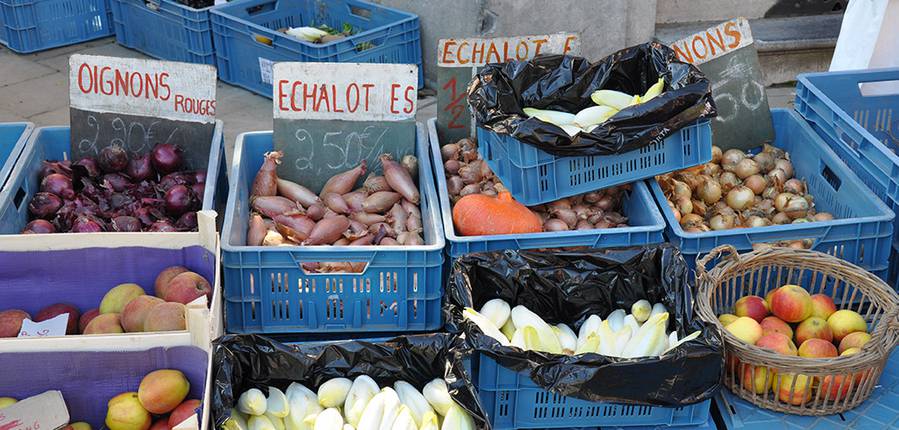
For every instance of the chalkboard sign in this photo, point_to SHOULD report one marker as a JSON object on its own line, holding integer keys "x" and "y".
{"x": 728, "y": 57}
{"x": 328, "y": 117}
{"x": 457, "y": 59}
{"x": 137, "y": 104}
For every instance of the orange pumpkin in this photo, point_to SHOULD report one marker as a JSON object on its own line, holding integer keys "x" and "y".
{"x": 478, "y": 214}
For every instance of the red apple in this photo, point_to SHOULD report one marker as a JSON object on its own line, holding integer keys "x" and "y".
{"x": 844, "y": 322}
{"x": 794, "y": 389}
{"x": 751, "y": 306}
{"x": 791, "y": 303}
{"x": 164, "y": 277}
{"x": 11, "y": 322}
{"x": 822, "y": 306}
{"x": 58, "y": 309}
{"x": 187, "y": 287}
{"x": 778, "y": 343}
{"x": 183, "y": 411}
{"x": 856, "y": 339}
{"x": 758, "y": 379}
{"x": 834, "y": 387}
{"x": 86, "y": 319}
{"x": 817, "y": 348}
{"x": 813, "y": 328}
{"x": 776, "y": 325}
{"x": 161, "y": 424}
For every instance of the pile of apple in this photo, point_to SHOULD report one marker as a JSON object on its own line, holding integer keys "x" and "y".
{"x": 125, "y": 308}
{"x": 790, "y": 316}
{"x": 158, "y": 404}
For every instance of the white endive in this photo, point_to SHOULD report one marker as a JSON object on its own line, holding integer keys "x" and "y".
{"x": 276, "y": 421}
{"x": 485, "y": 325}
{"x": 438, "y": 396}
{"x": 497, "y": 311}
{"x": 303, "y": 403}
{"x": 457, "y": 419}
{"x": 412, "y": 398}
{"x": 508, "y": 329}
{"x": 309, "y": 34}
{"x": 361, "y": 392}
{"x": 237, "y": 421}
{"x": 631, "y": 322}
{"x": 391, "y": 408}
{"x": 551, "y": 116}
{"x": 591, "y": 344}
{"x": 612, "y": 98}
{"x": 590, "y": 326}
{"x": 260, "y": 422}
{"x": 522, "y": 316}
{"x": 332, "y": 394}
{"x": 650, "y": 340}
{"x": 657, "y": 308}
{"x": 566, "y": 338}
{"x": 430, "y": 422}
{"x": 374, "y": 411}
{"x": 329, "y": 419}
{"x": 622, "y": 337}
{"x": 593, "y": 115}
{"x": 404, "y": 420}
{"x": 654, "y": 90}
{"x": 298, "y": 389}
{"x": 616, "y": 319}
{"x": 680, "y": 342}
{"x": 641, "y": 310}
{"x": 276, "y": 403}
{"x": 252, "y": 402}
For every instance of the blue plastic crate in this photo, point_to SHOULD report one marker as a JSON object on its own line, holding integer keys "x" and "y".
{"x": 13, "y": 136}
{"x": 247, "y": 40}
{"x": 267, "y": 291}
{"x": 36, "y": 25}
{"x": 513, "y": 401}
{"x": 862, "y": 129}
{"x": 164, "y": 29}
{"x": 53, "y": 143}
{"x": 645, "y": 220}
{"x": 880, "y": 411}
{"x": 534, "y": 176}
{"x": 861, "y": 233}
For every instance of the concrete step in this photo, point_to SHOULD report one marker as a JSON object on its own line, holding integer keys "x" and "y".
{"x": 787, "y": 46}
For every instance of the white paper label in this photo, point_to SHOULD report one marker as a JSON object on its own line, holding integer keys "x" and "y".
{"x": 45, "y": 411}
{"x": 265, "y": 70}
{"x": 475, "y": 52}
{"x": 345, "y": 91}
{"x": 161, "y": 89}
{"x": 714, "y": 42}
{"x": 191, "y": 423}
{"x": 55, "y": 326}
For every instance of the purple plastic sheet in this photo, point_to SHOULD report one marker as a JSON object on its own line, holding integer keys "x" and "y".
{"x": 32, "y": 280}
{"x": 89, "y": 379}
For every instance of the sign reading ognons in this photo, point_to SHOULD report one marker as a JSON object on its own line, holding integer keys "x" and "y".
{"x": 137, "y": 104}
{"x": 345, "y": 91}
{"x": 329, "y": 117}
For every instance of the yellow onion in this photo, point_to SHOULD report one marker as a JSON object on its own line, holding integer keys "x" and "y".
{"x": 740, "y": 198}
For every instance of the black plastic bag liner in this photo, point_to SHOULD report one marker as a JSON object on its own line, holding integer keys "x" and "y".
{"x": 500, "y": 91}
{"x": 241, "y": 362}
{"x": 568, "y": 287}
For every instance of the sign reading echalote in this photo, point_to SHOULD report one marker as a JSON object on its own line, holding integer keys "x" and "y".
{"x": 345, "y": 91}
{"x": 45, "y": 411}
{"x": 138, "y": 104}
{"x": 476, "y": 52}
{"x": 728, "y": 57}
{"x": 160, "y": 89}
{"x": 55, "y": 326}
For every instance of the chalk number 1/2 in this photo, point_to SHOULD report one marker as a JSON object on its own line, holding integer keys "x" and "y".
{"x": 456, "y": 105}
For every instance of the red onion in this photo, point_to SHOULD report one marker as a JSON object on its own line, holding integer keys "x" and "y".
{"x": 86, "y": 224}
{"x": 49, "y": 167}
{"x": 180, "y": 199}
{"x": 39, "y": 226}
{"x": 175, "y": 178}
{"x": 162, "y": 226}
{"x": 44, "y": 205}
{"x": 166, "y": 158}
{"x": 187, "y": 221}
{"x": 116, "y": 181}
{"x": 58, "y": 184}
{"x": 139, "y": 168}
{"x": 126, "y": 224}
{"x": 198, "y": 189}
{"x": 89, "y": 164}
{"x": 112, "y": 159}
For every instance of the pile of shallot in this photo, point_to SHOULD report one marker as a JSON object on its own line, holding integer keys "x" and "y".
{"x": 738, "y": 190}
{"x": 383, "y": 211}
{"x": 115, "y": 192}
{"x": 467, "y": 173}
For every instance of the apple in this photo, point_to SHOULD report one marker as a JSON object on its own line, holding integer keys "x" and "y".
{"x": 776, "y": 325}
{"x": 834, "y": 387}
{"x": 81, "y": 425}
{"x": 11, "y": 322}
{"x": 791, "y": 303}
{"x": 768, "y": 298}
{"x": 726, "y": 319}
{"x": 794, "y": 389}
{"x": 751, "y": 306}
{"x": 844, "y": 321}
{"x": 57, "y": 309}
{"x": 86, "y": 319}
{"x": 813, "y": 328}
{"x": 745, "y": 329}
{"x": 855, "y": 339}
{"x": 822, "y": 306}
{"x": 758, "y": 379}
{"x": 164, "y": 277}
{"x": 817, "y": 348}
{"x": 184, "y": 411}
{"x": 124, "y": 412}
{"x": 778, "y": 343}
{"x": 187, "y": 287}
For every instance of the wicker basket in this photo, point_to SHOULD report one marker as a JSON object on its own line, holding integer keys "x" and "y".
{"x": 792, "y": 384}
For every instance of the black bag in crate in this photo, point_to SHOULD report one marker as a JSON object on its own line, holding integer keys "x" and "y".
{"x": 241, "y": 362}
{"x": 499, "y": 92}
{"x": 568, "y": 287}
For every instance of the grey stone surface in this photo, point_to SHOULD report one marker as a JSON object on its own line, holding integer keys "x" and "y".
{"x": 670, "y": 11}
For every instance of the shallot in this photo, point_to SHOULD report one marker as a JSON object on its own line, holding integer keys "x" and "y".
{"x": 343, "y": 183}
{"x": 399, "y": 179}
{"x": 266, "y": 181}
{"x": 296, "y": 192}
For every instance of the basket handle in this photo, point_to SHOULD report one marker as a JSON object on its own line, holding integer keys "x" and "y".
{"x": 701, "y": 262}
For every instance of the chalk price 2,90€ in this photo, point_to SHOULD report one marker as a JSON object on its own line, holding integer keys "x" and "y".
{"x": 345, "y": 91}
{"x": 177, "y": 91}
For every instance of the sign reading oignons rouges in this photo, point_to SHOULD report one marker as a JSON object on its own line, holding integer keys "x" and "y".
{"x": 137, "y": 104}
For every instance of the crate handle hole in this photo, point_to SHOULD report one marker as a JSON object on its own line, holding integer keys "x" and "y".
{"x": 831, "y": 178}
{"x": 260, "y": 39}
{"x": 19, "y": 198}
{"x": 333, "y": 267}
{"x": 361, "y": 12}
{"x": 879, "y": 88}
{"x": 261, "y": 8}
{"x": 151, "y": 5}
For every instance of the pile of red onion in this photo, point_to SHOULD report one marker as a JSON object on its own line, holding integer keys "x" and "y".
{"x": 117, "y": 193}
